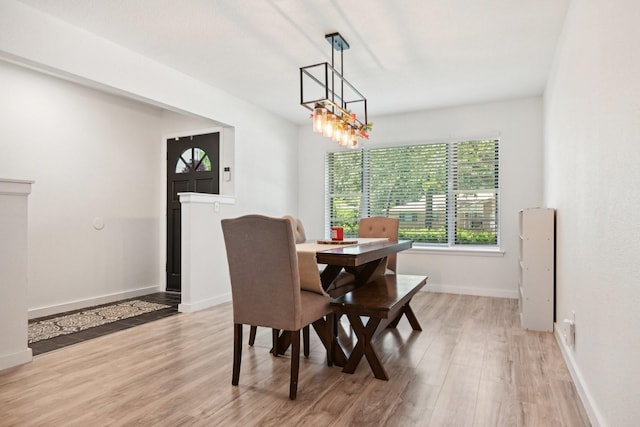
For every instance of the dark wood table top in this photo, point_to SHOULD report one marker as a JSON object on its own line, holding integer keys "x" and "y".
{"x": 356, "y": 255}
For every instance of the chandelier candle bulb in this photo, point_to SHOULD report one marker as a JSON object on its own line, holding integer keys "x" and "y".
{"x": 345, "y": 137}
{"x": 337, "y": 134}
{"x": 319, "y": 117}
{"x": 329, "y": 125}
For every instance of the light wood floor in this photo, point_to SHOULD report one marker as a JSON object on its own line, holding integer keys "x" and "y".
{"x": 471, "y": 365}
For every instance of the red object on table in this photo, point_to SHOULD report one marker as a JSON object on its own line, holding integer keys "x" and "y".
{"x": 337, "y": 233}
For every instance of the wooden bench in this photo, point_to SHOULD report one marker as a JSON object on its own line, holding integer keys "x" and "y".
{"x": 384, "y": 301}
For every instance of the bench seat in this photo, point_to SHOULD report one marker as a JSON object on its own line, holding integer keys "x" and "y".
{"x": 384, "y": 301}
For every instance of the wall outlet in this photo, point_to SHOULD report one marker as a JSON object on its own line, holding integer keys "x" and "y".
{"x": 570, "y": 331}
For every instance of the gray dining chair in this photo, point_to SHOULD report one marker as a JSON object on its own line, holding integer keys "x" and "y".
{"x": 380, "y": 226}
{"x": 298, "y": 229}
{"x": 376, "y": 226}
{"x": 301, "y": 237}
{"x": 265, "y": 286}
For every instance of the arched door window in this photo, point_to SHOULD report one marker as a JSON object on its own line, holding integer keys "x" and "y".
{"x": 193, "y": 160}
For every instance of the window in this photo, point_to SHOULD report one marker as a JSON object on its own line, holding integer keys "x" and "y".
{"x": 193, "y": 160}
{"x": 404, "y": 217}
{"x": 444, "y": 193}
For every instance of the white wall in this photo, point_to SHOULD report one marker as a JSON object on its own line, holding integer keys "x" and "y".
{"x": 518, "y": 123}
{"x": 592, "y": 152}
{"x": 95, "y": 154}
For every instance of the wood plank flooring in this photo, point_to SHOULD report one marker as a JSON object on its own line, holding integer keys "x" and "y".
{"x": 472, "y": 365}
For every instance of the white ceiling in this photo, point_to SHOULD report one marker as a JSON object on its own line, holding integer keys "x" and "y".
{"x": 405, "y": 54}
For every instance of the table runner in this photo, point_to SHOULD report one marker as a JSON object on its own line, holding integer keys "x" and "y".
{"x": 308, "y": 265}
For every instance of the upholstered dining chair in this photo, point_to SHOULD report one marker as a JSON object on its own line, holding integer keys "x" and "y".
{"x": 380, "y": 226}
{"x": 375, "y": 226}
{"x": 265, "y": 286}
{"x": 298, "y": 229}
{"x": 301, "y": 237}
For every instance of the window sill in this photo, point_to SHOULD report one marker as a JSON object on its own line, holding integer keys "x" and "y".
{"x": 448, "y": 250}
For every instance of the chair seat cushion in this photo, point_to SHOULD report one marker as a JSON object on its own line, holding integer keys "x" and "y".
{"x": 313, "y": 306}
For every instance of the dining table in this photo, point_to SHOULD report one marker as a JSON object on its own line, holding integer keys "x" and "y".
{"x": 363, "y": 258}
{"x": 320, "y": 264}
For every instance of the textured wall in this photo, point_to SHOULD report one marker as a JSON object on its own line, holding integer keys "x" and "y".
{"x": 592, "y": 152}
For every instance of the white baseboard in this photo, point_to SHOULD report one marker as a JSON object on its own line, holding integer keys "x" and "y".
{"x": 89, "y": 302}
{"x": 20, "y": 358}
{"x": 191, "y": 306}
{"x": 468, "y": 290}
{"x": 595, "y": 417}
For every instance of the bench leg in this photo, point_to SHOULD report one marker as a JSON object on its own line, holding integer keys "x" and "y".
{"x": 364, "y": 347}
{"x": 411, "y": 317}
{"x": 324, "y": 329}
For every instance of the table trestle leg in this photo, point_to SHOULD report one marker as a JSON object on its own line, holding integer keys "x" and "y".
{"x": 364, "y": 348}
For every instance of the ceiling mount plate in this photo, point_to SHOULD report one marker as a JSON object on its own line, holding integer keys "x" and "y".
{"x": 337, "y": 41}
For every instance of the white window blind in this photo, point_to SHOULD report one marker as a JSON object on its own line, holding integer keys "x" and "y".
{"x": 344, "y": 191}
{"x": 445, "y": 193}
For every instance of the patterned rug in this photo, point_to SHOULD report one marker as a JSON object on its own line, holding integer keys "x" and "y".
{"x": 70, "y": 323}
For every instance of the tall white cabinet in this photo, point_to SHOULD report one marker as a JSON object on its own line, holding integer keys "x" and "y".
{"x": 537, "y": 258}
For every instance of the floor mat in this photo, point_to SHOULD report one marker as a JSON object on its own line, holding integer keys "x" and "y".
{"x": 83, "y": 320}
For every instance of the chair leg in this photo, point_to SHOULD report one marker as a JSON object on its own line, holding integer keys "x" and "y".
{"x": 295, "y": 363}
{"x": 305, "y": 340}
{"x": 237, "y": 352}
{"x": 330, "y": 338}
{"x": 274, "y": 341}
{"x": 252, "y": 335}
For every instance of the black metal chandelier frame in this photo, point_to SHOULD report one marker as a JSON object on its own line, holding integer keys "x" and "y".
{"x": 331, "y": 96}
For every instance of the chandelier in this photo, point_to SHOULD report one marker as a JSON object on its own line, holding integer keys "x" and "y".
{"x": 336, "y": 106}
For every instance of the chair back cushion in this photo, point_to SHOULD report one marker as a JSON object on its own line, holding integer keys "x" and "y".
{"x": 298, "y": 229}
{"x": 263, "y": 267}
{"x": 380, "y": 226}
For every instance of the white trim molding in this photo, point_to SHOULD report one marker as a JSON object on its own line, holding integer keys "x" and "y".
{"x": 19, "y": 358}
{"x": 15, "y": 187}
{"x": 469, "y": 290}
{"x": 206, "y": 198}
{"x": 456, "y": 250}
{"x": 90, "y": 302}
{"x": 595, "y": 417}
{"x": 205, "y": 303}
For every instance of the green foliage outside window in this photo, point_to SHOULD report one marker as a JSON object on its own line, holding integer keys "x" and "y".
{"x": 445, "y": 193}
